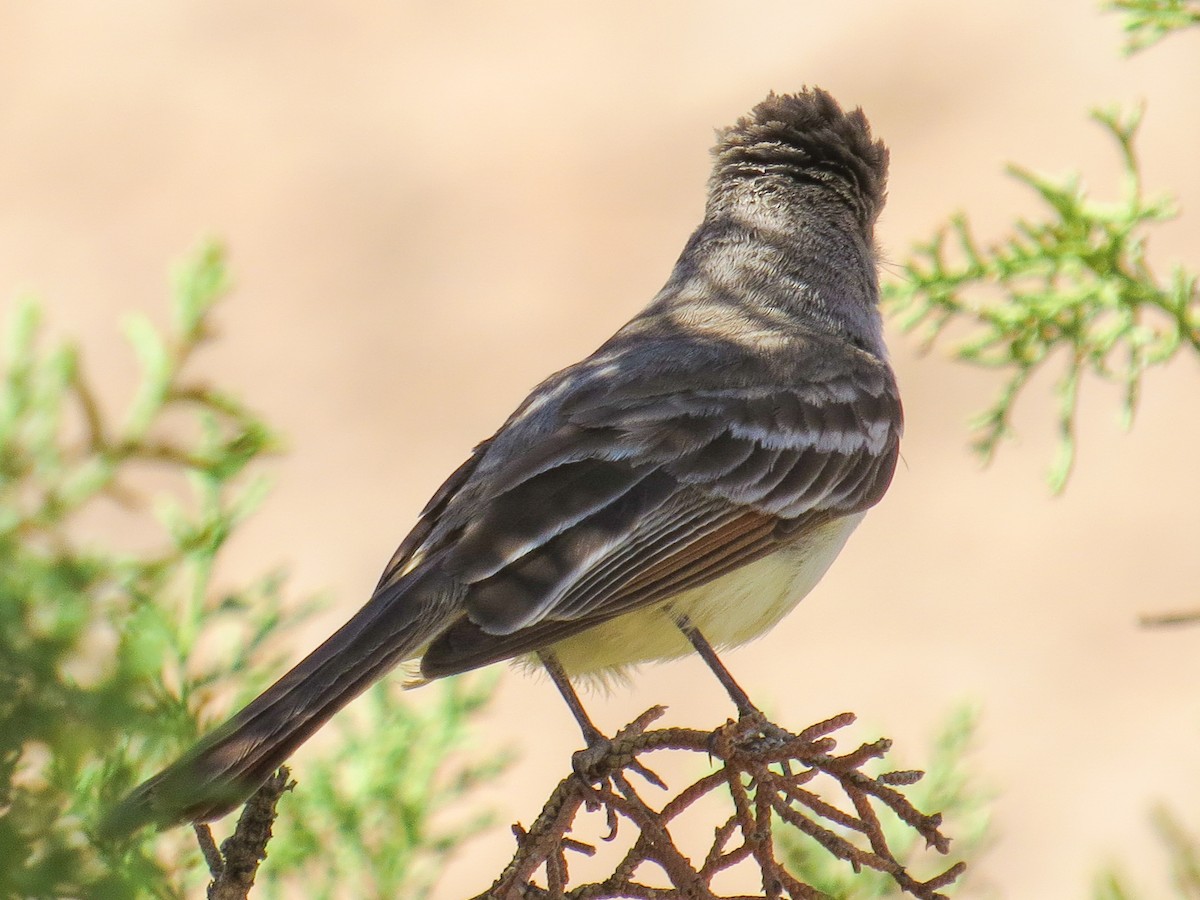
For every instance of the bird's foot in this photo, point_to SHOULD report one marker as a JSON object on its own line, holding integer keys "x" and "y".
{"x": 602, "y": 756}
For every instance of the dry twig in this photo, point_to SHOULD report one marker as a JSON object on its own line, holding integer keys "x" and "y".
{"x": 768, "y": 774}
{"x": 234, "y": 866}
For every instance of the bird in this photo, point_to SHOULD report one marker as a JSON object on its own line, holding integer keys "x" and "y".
{"x": 679, "y": 490}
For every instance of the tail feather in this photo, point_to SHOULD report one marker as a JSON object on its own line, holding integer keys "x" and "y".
{"x": 217, "y": 775}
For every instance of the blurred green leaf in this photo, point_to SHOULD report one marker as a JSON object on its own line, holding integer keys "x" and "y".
{"x": 101, "y": 681}
{"x": 1149, "y": 21}
{"x": 1072, "y": 291}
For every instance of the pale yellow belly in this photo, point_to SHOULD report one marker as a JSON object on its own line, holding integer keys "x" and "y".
{"x": 729, "y": 611}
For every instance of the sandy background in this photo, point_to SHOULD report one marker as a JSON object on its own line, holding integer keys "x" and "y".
{"x": 431, "y": 206}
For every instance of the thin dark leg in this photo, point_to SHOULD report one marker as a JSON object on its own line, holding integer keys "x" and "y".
{"x": 771, "y": 733}
{"x": 591, "y": 734}
{"x": 709, "y": 655}
{"x": 585, "y": 762}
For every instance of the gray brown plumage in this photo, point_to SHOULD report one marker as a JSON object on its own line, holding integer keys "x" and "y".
{"x": 707, "y": 461}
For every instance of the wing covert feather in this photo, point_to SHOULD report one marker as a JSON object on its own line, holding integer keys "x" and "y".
{"x": 653, "y": 485}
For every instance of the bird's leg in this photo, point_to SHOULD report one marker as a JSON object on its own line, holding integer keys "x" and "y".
{"x": 592, "y": 762}
{"x": 592, "y": 735}
{"x": 709, "y": 655}
{"x": 771, "y": 735}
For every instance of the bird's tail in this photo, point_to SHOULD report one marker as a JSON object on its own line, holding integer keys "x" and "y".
{"x": 221, "y": 771}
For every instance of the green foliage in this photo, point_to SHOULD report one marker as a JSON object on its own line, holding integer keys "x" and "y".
{"x": 91, "y": 635}
{"x": 1078, "y": 287}
{"x": 1183, "y": 853}
{"x": 1149, "y": 21}
{"x": 115, "y": 642}
{"x": 373, "y": 800}
{"x": 1075, "y": 288}
{"x": 946, "y": 788}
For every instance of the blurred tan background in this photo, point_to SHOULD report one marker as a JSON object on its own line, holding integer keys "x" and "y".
{"x": 431, "y": 206}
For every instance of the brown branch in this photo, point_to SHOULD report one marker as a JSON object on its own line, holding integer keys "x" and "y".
{"x": 235, "y": 865}
{"x": 764, "y": 801}
{"x": 1168, "y": 620}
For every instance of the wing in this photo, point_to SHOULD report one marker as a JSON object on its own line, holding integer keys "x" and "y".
{"x": 643, "y": 490}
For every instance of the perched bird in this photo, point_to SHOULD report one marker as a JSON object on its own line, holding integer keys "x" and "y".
{"x": 683, "y": 487}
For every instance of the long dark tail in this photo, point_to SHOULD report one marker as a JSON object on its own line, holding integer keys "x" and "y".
{"x": 221, "y": 771}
